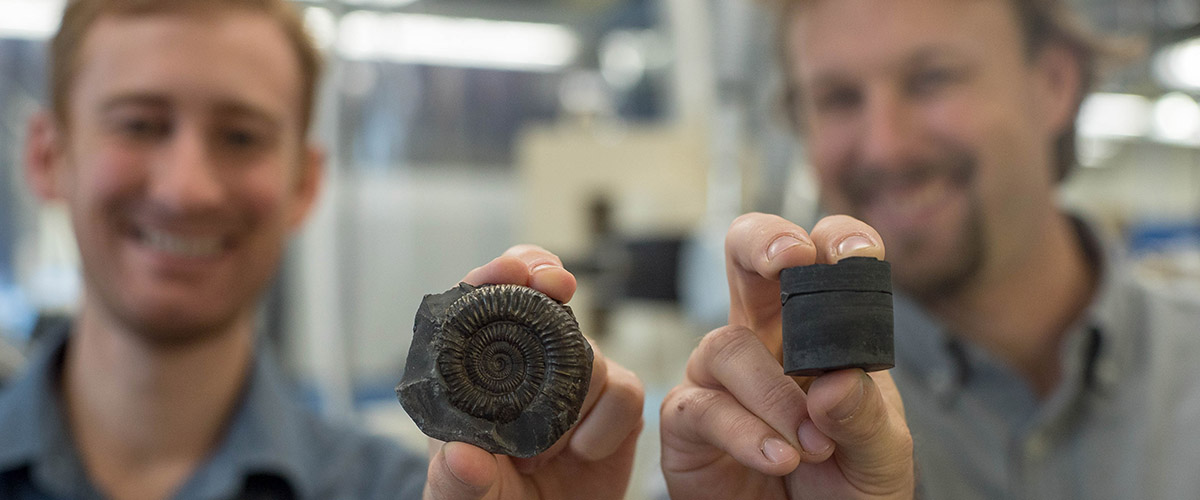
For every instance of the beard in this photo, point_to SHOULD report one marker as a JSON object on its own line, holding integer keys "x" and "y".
{"x": 169, "y": 330}
{"x": 949, "y": 277}
{"x": 928, "y": 265}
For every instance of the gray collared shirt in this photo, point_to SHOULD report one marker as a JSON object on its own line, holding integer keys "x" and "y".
{"x": 273, "y": 448}
{"x": 1124, "y": 422}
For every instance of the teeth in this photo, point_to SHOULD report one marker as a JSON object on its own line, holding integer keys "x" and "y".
{"x": 184, "y": 246}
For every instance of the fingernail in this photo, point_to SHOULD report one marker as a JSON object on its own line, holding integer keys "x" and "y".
{"x": 813, "y": 440}
{"x": 853, "y": 243}
{"x": 777, "y": 450}
{"x": 846, "y": 408}
{"x": 544, "y": 265}
{"x": 781, "y": 244}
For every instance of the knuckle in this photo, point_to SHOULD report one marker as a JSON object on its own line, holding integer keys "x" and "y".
{"x": 865, "y": 429}
{"x": 740, "y": 425}
{"x": 781, "y": 396}
{"x": 634, "y": 387}
{"x": 674, "y": 401}
{"x": 726, "y": 342}
{"x": 741, "y": 226}
{"x": 669, "y": 401}
{"x": 691, "y": 402}
{"x": 871, "y": 433}
{"x": 627, "y": 388}
{"x": 748, "y": 219}
{"x": 722, "y": 351}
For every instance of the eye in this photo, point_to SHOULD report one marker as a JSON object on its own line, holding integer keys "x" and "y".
{"x": 143, "y": 128}
{"x": 930, "y": 81}
{"x": 244, "y": 136}
{"x": 241, "y": 138}
{"x": 840, "y": 99}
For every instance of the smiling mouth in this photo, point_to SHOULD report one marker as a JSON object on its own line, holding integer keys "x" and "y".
{"x": 183, "y": 246}
{"x": 912, "y": 191}
{"x": 914, "y": 201}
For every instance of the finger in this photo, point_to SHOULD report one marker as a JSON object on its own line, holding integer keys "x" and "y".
{"x": 502, "y": 269}
{"x": 616, "y": 414}
{"x": 732, "y": 359}
{"x": 527, "y": 265}
{"x": 598, "y": 381}
{"x": 460, "y": 471}
{"x": 891, "y": 393}
{"x": 696, "y": 419}
{"x": 546, "y": 272}
{"x": 596, "y": 387}
{"x": 874, "y": 448}
{"x": 839, "y": 236}
{"x": 757, "y": 247}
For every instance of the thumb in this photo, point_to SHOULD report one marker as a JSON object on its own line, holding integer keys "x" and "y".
{"x": 874, "y": 447}
{"x": 460, "y": 471}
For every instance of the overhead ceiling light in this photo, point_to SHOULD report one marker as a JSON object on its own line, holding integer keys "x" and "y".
{"x": 379, "y": 3}
{"x": 1177, "y": 119}
{"x": 1178, "y": 65}
{"x": 450, "y": 41}
{"x": 30, "y": 19}
{"x": 1114, "y": 116}
{"x": 322, "y": 25}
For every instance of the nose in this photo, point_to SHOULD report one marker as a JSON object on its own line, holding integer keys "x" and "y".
{"x": 890, "y": 131}
{"x": 185, "y": 176}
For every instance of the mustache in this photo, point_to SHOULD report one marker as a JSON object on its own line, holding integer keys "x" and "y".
{"x": 863, "y": 182}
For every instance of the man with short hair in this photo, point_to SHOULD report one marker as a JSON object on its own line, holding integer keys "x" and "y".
{"x": 177, "y": 140}
{"x": 1031, "y": 361}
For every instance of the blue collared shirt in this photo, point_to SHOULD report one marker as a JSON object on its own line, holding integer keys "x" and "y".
{"x": 1123, "y": 423}
{"x": 273, "y": 449}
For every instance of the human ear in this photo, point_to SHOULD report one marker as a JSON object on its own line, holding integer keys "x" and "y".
{"x": 1059, "y": 91}
{"x": 308, "y": 183}
{"x": 43, "y": 157}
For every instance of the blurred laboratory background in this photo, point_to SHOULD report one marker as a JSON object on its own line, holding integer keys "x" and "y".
{"x": 624, "y": 135}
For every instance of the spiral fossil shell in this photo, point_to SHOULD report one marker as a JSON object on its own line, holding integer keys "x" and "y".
{"x": 503, "y": 367}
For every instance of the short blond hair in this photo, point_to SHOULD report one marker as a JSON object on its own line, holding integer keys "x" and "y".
{"x": 1043, "y": 22}
{"x": 80, "y": 15}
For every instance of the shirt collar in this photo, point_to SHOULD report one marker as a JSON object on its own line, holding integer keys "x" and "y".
{"x": 34, "y": 434}
{"x": 266, "y": 435}
{"x": 1094, "y": 350}
{"x": 1112, "y": 317}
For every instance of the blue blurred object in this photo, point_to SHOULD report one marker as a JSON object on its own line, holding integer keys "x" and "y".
{"x": 1151, "y": 237}
{"x": 17, "y": 315}
{"x": 16, "y": 322}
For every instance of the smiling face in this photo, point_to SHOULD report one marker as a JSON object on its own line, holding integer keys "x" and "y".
{"x": 927, "y": 119}
{"x": 184, "y": 167}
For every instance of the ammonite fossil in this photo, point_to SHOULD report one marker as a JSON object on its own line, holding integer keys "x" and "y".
{"x": 837, "y": 316}
{"x": 503, "y": 367}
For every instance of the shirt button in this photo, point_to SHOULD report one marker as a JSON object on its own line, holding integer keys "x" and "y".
{"x": 1035, "y": 448}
